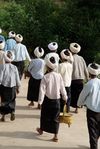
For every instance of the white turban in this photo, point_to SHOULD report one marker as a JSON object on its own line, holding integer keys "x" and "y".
{"x": 39, "y": 52}
{"x": 0, "y": 30}
{"x": 51, "y": 62}
{"x": 65, "y": 54}
{"x": 2, "y": 45}
{"x": 94, "y": 69}
{"x": 11, "y": 34}
{"x": 75, "y": 47}
{"x": 19, "y": 38}
{"x": 53, "y": 46}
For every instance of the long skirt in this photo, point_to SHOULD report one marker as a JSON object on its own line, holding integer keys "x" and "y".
{"x": 8, "y": 103}
{"x": 62, "y": 102}
{"x": 33, "y": 89}
{"x": 76, "y": 88}
{"x": 93, "y": 122}
{"x": 20, "y": 66}
{"x": 50, "y": 111}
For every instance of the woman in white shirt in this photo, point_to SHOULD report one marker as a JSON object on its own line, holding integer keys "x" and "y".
{"x": 49, "y": 97}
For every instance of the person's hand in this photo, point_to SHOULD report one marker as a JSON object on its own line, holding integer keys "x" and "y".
{"x": 17, "y": 90}
{"x": 39, "y": 106}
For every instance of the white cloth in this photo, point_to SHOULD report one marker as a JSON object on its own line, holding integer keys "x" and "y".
{"x": 65, "y": 69}
{"x": 21, "y": 53}
{"x": 80, "y": 70}
{"x": 36, "y": 68}
{"x": 3, "y": 59}
{"x": 52, "y": 54}
{"x": 52, "y": 86}
{"x": 10, "y": 76}
{"x": 90, "y": 95}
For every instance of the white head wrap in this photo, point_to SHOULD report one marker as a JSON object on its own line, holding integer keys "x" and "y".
{"x": 51, "y": 62}
{"x": 75, "y": 47}
{"x": 39, "y": 52}
{"x": 64, "y": 54}
{"x": 11, "y": 34}
{"x": 2, "y": 45}
{"x": 19, "y": 38}
{"x": 94, "y": 69}
{"x": 53, "y": 46}
{"x": 0, "y": 30}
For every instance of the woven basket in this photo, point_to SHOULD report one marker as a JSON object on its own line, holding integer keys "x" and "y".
{"x": 65, "y": 117}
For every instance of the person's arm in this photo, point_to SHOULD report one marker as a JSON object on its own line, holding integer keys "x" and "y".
{"x": 27, "y": 54}
{"x": 63, "y": 91}
{"x": 18, "y": 81}
{"x": 83, "y": 95}
{"x": 31, "y": 65}
{"x": 42, "y": 91}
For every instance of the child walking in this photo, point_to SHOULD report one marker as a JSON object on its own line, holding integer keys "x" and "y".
{"x": 36, "y": 70}
{"x": 49, "y": 98}
{"x": 9, "y": 86}
{"x": 65, "y": 69}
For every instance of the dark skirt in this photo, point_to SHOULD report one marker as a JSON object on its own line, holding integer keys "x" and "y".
{"x": 93, "y": 122}
{"x": 8, "y": 102}
{"x": 62, "y": 102}
{"x": 20, "y": 66}
{"x": 33, "y": 89}
{"x": 76, "y": 88}
{"x": 50, "y": 111}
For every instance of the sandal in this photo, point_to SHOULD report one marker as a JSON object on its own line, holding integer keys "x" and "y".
{"x": 39, "y": 131}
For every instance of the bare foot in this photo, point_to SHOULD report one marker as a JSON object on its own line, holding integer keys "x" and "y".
{"x": 31, "y": 104}
{"x": 54, "y": 139}
{"x": 39, "y": 131}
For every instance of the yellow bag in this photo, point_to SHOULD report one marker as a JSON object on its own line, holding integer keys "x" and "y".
{"x": 65, "y": 117}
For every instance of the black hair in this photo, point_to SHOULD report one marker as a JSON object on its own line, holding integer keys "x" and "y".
{"x": 12, "y": 32}
{"x": 94, "y": 66}
{"x": 19, "y": 36}
{"x": 54, "y": 43}
{"x": 52, "y": 60}
{"x": 75, "y": 45}
{"x": 40, "y": 49}
{"x": 66, "y": 52}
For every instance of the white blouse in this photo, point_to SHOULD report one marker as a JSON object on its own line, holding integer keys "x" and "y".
{"x": 52, "y": 86}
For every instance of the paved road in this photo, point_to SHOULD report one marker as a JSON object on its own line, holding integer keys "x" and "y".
{"x": 21, "y": 133}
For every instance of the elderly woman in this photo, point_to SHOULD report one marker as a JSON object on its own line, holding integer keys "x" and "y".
{"x": 49, "y": 97}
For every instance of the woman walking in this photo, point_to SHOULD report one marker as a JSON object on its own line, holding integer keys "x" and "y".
{"x": 49, "y": 98}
